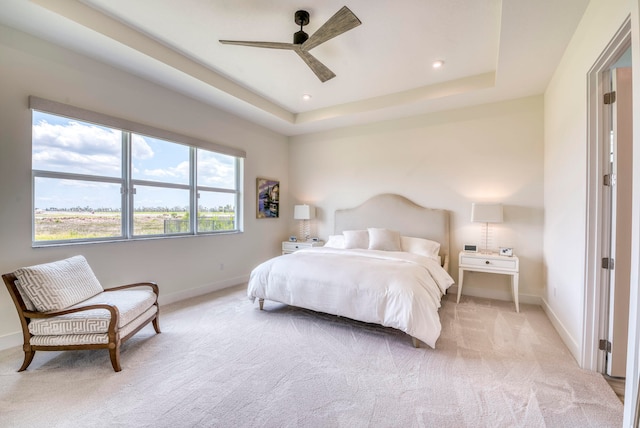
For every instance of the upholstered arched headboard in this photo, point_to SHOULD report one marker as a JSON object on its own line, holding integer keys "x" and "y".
{"x": 396, "y": 212}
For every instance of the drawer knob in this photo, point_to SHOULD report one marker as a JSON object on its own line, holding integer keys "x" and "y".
{"x": 487, "y": 262}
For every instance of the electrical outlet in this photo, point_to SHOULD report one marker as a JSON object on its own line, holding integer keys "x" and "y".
{"x": 221, "y": 266}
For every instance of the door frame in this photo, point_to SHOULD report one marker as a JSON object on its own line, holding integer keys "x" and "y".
{"x": 595, "y": 303}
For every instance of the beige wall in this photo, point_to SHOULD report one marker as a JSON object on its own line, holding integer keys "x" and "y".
{"x": 447, "y": 160}
{"x": 565, "y": 169}
{"x": 182, "y": 266}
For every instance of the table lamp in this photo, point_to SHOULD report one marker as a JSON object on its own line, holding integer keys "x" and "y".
{"x": 304, "y": 213}
{"x": 486, "y": 213}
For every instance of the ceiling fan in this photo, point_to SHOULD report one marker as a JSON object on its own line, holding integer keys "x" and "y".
{"x": 343, "y": 21}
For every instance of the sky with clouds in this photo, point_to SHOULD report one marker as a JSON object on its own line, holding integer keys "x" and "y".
{"x": 72, "y": 146}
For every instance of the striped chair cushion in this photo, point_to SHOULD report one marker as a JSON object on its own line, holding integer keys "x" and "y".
{"x": 90, "y": 338}
{"x": 130, "y": 303}
{"x": 58, "y": 285}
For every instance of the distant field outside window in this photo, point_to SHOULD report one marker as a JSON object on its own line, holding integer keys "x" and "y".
{"x": 150, "y": 213}
{"x": 84, "y": 189}
{"x": 65, "y": 219}
{"x": 215, "y": 212}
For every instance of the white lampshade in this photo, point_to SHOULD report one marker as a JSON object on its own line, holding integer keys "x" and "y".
{"x": 304, "y": 212}
{"x": 486, "y": 213}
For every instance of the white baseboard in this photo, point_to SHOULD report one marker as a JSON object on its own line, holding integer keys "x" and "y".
{"x": 10, "y": 340}
{"x": 199, "y": 291}
{"x": 15, "y": 339}
{"x": 566, "y": 337}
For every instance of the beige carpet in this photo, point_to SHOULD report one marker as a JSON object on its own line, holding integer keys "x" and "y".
{"x": 220, "y": 362}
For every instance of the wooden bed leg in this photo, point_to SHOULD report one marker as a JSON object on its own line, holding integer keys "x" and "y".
{"x": 261, "y": 303}
{"x": 416, "y": 342}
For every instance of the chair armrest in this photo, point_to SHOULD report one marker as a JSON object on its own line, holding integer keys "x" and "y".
{"x": 153, "y": 286}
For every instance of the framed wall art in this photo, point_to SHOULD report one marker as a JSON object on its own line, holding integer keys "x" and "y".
{"x": 268, "y": 195}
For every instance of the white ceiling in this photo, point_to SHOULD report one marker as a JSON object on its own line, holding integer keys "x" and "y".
{"x": 493, "y": 50}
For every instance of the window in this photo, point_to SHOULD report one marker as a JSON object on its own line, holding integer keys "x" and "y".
{"x": 93, "y": 181}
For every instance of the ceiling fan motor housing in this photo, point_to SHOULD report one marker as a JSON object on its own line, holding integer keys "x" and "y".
{"x": 299, "y": 37}
{"x": 301, "y": 18}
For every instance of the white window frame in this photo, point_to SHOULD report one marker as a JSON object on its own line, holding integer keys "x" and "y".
{"x": 126, "y": 181}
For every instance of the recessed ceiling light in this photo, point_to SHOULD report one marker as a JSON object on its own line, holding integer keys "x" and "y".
{"x": 306, "y": 97}
{"x": 438, "y": 64}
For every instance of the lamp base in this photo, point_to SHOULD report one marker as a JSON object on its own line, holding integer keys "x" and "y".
{"x": 304, "y": 232}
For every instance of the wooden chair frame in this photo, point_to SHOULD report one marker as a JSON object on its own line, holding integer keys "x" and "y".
{"x": 115, "y": 341}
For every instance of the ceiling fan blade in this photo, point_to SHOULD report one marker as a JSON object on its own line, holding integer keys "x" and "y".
{"x": 316, "y": 66}
{"x": 344, "y": 20}
{"x": 270, "y": 45}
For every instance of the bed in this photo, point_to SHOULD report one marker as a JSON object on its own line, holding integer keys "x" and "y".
{"x": 387, "y": 263}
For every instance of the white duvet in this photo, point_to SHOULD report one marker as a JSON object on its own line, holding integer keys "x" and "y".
{"x": 392, "y": 288}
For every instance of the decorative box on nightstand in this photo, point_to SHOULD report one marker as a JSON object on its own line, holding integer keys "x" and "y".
{"x": 490, "y": 263}
{"x": 289, "y": 247}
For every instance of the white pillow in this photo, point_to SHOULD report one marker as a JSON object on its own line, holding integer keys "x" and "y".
{"x": 384, "y": 239}
{"x": 420, "y": 246}
{"x": 58, "y": 285}
{"x": 356, "y": 239}
{"x": 335, "y": 241}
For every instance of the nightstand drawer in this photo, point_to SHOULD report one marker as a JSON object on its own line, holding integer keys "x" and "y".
{"x": 289, "y": 247}
{"x": 489, "y": 262}
{"x": 294, "y": 246}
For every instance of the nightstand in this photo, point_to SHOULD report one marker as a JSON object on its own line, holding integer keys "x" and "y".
{"x": 289, "y": 247}
{"x": 490, "y": 263}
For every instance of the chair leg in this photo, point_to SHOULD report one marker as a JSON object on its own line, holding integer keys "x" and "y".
{"x": 261, "y": 303}
{"x": 28, "y": 357}
{"x": 114, "y": 353}
{"x": 156, "y": 325}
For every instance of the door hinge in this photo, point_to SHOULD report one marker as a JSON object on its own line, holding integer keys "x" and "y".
{"x": 610, "y": 97}
{"x": 604, "y": 345}
{"x": 608, "y": 263}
